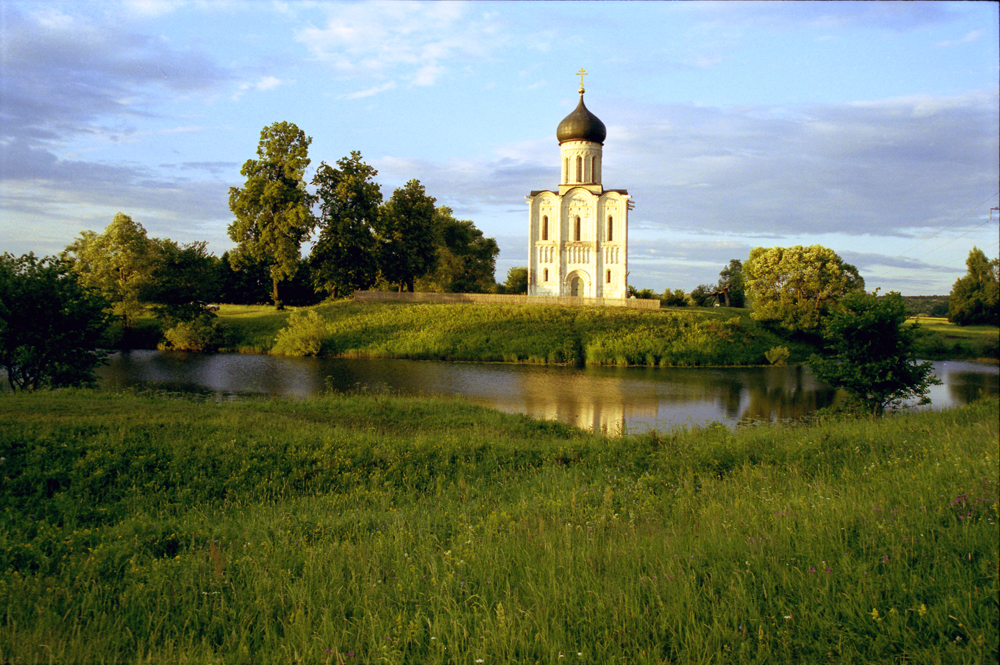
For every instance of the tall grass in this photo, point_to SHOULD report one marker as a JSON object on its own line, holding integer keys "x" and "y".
{"x": 371, "y": 528}
{"x": 532, "y": 334}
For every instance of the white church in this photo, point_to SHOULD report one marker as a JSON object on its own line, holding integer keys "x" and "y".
{"x": 578, "y": 235}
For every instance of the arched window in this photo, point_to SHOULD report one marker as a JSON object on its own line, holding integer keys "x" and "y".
{"x": 545, "y": 227}
{"x": 579, "y": 168}
{"x": 593, "y": 169}
{"x": 611, "y": 228}
{"x": 608, "y": 279}
{"x": 576, "y": 235}
{"x": 566, "y": 170}
{"x": 546, "y": 278}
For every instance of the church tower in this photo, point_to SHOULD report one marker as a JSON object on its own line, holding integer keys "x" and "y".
{"x": 578, "y": 234}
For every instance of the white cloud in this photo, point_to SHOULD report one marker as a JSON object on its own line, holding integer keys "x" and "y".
{"x": 409, "y": 40}
{"x": 368, "y": 92}
{"x": 971, "y": 36}
{"x": 263, "y": 84}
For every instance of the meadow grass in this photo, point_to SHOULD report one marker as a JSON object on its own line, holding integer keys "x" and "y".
{"x": 373, "y": 528}
{"x": 938, "y": 339}
{"x": 531, "y": 334}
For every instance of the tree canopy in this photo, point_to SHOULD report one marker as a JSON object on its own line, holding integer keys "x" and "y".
{"x": 273, "y": 209}
{"x": 118, "y": 262}
{"x": 466, "y": 260}
{"x": 975, "y": 298}
{"x": 407, "y": 235}
{"x": 871, "y": 353}
{"x": 50, "y": 324}
{"x": 344, "y": 258}
{"x": 797, "y": 287}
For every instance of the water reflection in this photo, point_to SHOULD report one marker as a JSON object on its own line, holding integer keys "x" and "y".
{"x": 607, "y": 399}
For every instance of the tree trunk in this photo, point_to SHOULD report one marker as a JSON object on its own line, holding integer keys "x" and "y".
{"x": 278, "y": 305}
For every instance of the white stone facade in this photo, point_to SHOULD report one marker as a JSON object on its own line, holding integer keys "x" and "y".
{"x": 578, "y": 235}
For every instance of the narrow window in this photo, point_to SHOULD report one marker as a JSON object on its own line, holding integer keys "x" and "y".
{"x": 566, "y": 170}
{"x": 579, "y": 168}
{"x": 608, "y": 280}
{"x": 611, "y": 226}
{"x": 593, "y": 169}
{"x": 545, "y": 227}
{"x": 576, "y": 236}
{"x": 546, "y": 275}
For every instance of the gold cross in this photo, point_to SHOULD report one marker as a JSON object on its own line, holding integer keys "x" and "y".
{"x": 581, "y": 74}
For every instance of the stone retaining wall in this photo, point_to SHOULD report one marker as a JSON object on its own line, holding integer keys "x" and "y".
{"x": 392, "y": 296}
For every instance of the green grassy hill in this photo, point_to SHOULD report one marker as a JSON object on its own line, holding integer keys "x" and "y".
{"x": 515, "y": 333}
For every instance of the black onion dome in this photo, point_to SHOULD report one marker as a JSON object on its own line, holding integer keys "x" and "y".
{"x": 581, "y": 125}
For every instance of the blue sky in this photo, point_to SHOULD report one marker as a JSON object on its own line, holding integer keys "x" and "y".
{"x": 868, "y": 127}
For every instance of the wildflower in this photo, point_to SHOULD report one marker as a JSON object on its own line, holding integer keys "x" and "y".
{"x": 875, "y": 615}
{"x": 923, "y": 610}
{"x": 480, "y": 660}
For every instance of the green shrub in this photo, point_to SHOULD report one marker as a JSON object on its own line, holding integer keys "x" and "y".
{"x": 200, "y": 334}
{"x": 777, "y": 355}
{"x": 303, "y": 336}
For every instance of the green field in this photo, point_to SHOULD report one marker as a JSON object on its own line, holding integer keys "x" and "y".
{"x": 378, "y": 529}
{"x": 940, "y": 339}
{"x": 519, "y": 333}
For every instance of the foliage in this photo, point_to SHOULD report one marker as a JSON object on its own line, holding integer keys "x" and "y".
{"x": 407, "y": 235}
{"x": 975, "y": 298}
{"x": 466, "y": 260}
{"x": 873, "y": 354}
{"x": 777, "y": 355}
{"x": 675, "y": 298}
{"x": 120, "y": 263}
{"x": 932, "y": 306}
{"x": 200, "y": 333}
{"x": 185, "y": 279}
{"x": 517, "y": 281}
{"x": 797, "y": 287}
{"x": 370, "y": 528}
{"x": 273, "y": 209}
{"x": 303, "y": 336}
{"x": 50, "y": 324}
{"x": 251, "y": 285}
{"x": 731, "y": 283}
{"x": 344, "y": 258}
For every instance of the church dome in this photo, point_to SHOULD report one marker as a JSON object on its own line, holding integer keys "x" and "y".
{"x": 581, "y": 125}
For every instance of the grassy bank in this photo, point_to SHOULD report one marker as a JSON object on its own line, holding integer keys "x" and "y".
{"x": 512, "y": 333}
{"x": 941, "y": 340}
{"x": 363, "y": 529}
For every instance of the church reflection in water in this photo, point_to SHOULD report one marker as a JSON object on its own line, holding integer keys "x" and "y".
{"x": 601, "y": 399}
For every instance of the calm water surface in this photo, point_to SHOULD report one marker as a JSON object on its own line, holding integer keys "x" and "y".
{"x": 599, "y": 398}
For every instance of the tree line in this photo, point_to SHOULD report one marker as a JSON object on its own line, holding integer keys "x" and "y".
{"x": 361, "y": 240}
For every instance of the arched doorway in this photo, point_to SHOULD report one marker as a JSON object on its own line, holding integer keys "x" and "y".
{"x": 577, "y": 284}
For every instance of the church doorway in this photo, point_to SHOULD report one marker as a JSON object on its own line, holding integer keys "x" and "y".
{"x": 577, "y": 284}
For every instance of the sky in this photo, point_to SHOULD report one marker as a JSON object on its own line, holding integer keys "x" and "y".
{"x": 871, "y": 128}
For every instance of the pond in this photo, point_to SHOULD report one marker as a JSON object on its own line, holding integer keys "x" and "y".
{"x": 609, "y": 399}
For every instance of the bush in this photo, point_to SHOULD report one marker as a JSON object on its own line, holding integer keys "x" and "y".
{"x": 777, "y": 355}
{"x": 200, "y": 334}
{"x": 303, "y": 336}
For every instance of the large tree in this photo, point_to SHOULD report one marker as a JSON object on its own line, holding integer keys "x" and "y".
{"x": 185, "y": 279}
{"x": 797, "y": 287}
{"x": 120, "y": 263}
{"x": 344, "y": 257}
{"x": 273, "y": 209}
{"x": 50, "y": 324}
{"x": 466, "y": 259}
{"x": 975, "y": 298}
{"x": 870, "y": 353}
{"x": 407, "y": 236}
